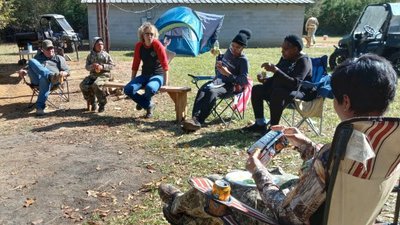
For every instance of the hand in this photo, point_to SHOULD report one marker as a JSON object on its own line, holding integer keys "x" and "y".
{"x": 253, "y": 162}
{"x": 222, "y": 69}
{"x": 22, "y": 72}
{"x": 63, "y": 73}
{"x": 95, "y": 65}
{"x": 269, "y": 67}
{"x": 294, "y": 135}
{"x": 261, "y": 79}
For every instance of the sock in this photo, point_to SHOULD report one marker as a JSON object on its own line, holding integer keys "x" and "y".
{"x": 261, "y": 121}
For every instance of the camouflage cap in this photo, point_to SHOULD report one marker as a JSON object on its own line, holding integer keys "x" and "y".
{"x": 46, "y": 44}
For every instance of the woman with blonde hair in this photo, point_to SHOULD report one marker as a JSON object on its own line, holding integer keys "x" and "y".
{"x": 151, "y": 52}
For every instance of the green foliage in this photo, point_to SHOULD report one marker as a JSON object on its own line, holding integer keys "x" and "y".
{"x": 26, "y": 13}
{"x": 6, "y": 9}
{"x": 337, "y": 17}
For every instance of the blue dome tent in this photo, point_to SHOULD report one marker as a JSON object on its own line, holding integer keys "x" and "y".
{"x": 191, "y": 33}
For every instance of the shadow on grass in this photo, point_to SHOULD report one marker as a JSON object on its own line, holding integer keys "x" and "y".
{"x": 21, "y": 111}
{"x": 227, "y": 137}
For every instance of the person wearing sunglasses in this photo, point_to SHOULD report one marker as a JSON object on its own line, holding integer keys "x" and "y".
{"x": 151, "y": 52}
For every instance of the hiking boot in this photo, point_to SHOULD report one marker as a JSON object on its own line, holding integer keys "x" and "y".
{"x": 101, "y": 108}
{"x": 94, "y": 107}
{"x": 39, "y": 112}
{"x": 191, "y": 124}
{"x": 171, "y": 218}
{"x": 168, "y": 192}
{"x": 138, "y": 107}
{"x": 150, "y": 111}
{"x": 255, "y": 128}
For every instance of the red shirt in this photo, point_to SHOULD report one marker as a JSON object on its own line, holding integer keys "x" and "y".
{"x": 154, "y": 58}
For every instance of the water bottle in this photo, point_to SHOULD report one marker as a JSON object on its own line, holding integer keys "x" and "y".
{"x": 29, "y": 47}
{"x": 216, "y": 51}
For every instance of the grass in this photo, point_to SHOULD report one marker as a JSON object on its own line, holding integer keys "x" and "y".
{"x": 213, "y": 149}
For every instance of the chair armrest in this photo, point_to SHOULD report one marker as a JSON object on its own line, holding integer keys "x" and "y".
{"x": 197, "y": 78}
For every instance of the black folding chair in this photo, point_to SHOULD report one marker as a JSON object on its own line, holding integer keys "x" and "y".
{"x": 61, "y": 89}
{"x": 228, "y": 107}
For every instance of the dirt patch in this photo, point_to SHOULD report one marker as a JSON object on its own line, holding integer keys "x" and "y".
{"x": 69, "y": 165}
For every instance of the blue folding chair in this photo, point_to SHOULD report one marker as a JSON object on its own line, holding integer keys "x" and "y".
{"x": 312, "y": 104}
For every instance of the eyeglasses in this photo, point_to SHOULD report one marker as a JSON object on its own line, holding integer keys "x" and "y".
{"x": 149, "y": 34}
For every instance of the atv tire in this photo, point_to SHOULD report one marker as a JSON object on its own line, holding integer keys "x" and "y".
{"x": 336, "y": 58}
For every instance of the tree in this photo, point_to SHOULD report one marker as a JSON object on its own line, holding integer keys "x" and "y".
{"x": 6, "y": 10}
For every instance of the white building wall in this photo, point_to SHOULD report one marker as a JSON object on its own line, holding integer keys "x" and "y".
{"x": 269, "y": 23}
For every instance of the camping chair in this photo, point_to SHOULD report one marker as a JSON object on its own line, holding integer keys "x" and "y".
{"x": 61, "y": 89}
{"x": 364, "y": 161}
{"x": 228, "y": 107}
{"x": 312, "y": 105}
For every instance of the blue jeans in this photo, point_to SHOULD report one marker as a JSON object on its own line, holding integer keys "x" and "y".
{"x": 40, "y": 75}
{"x": 151, "y": 85}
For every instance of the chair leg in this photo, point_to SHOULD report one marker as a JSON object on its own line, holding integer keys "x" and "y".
{"x": 397, "y": 208}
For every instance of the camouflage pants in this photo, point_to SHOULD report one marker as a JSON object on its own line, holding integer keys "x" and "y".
{"x": 193, "y": 202}
{"x": 92, "y": 88}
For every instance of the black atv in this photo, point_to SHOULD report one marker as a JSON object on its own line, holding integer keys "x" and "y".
{"x": 376, "y": 31}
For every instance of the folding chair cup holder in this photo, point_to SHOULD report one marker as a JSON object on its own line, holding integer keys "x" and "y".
{"x": 61, "y": 90}
{"x": 228, "y": 107}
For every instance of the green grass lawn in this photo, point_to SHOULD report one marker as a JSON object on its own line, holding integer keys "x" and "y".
{"x": 214, "y": 149}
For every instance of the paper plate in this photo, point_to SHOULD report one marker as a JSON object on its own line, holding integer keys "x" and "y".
{"x": 240, "y": 177}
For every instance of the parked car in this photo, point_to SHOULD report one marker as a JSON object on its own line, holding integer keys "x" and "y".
{"x": 376, "y": 31}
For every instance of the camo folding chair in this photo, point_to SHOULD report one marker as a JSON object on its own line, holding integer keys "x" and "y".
{"x": 228, "y": 107}
{"x": 61, "y": 89}
{"x": 365, "y": 168}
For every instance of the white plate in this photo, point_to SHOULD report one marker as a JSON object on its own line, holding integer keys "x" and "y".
{"x": 240, "y": 177}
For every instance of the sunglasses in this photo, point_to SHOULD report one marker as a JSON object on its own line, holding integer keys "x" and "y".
{"x": 149, "y": 34}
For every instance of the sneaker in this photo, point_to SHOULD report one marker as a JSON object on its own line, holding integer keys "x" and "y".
{"x": 150, "y": 111}
{"x": 101, "y": 108}
{"x": 172, "y": 218}
{"x": 39, "y": 112}
{"x": 255, "y": 128}
{"x": 168, "y": 192}
{"x": 191, "y": 124}
{"x": 138, "y": 107}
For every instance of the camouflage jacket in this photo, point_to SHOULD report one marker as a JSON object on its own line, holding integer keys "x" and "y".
{"x": 102, "y": 58}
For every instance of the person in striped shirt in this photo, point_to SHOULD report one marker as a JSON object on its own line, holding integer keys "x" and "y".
{"x": 302, "y": 202}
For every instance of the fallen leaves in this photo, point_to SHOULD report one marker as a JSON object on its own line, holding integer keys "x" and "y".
{"x": 29, "y": 201}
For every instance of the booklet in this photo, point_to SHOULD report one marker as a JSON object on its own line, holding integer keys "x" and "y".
{"x": 270, "y": 144}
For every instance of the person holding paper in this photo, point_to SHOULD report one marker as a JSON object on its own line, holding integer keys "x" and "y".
{"x": 231, "y": 68}
{"x": 302, "y": 202}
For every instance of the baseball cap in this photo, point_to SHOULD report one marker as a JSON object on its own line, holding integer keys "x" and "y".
{"x": 46, "y": 44}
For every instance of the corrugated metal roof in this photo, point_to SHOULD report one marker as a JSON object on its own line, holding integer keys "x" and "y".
{"x": 206, "y": 1}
